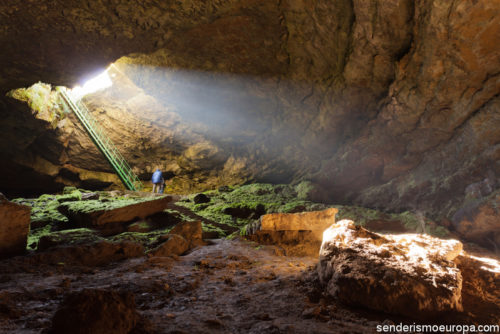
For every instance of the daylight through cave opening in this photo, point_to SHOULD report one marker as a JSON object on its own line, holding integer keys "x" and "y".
{"x": 372, "y": 123}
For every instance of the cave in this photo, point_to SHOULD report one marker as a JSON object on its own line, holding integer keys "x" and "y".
{"x": 327, "y": 166}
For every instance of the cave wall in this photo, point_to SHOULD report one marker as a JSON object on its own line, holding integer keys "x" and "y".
{"x": 390, "y": 104}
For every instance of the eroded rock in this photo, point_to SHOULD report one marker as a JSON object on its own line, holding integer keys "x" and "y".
{"x": 14, "y": 227}
{"x": 191, "y": 231}
{"x": 175, "y": 245}
{"x": 405, "y": 274}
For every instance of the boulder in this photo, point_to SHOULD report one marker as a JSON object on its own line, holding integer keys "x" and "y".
{"x": 14, "y": 227}
{"x": 303, "y": 221}
{"x": 97, "y": 214}
{"x": 96, "y": 311}
{"x": 298, "y": 234}
{"x": 201, "y": 198}
{"x": 481, "y": 287}
{"x": 175, "y": 245}
{"x": 407, "y": 274}
{"x": 191, "y": 231}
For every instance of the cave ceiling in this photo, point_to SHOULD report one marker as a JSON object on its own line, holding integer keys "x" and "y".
{"x": 390, "y": 104}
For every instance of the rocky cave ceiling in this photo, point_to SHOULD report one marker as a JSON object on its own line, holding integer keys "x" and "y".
{"x": 391, "y": 104}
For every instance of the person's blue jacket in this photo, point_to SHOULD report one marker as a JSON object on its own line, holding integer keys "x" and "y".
{"x": 157, "y": 175}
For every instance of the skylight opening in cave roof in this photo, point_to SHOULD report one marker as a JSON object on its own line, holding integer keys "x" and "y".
{"x": 93, "y": 85}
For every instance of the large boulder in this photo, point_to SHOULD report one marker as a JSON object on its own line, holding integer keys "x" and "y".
{"x": 407, "y": 274}
{"x": 96, "y": 312}
{"x": 174, "y": 245}
{"x": 102, "y": 215}
{"x": 298, "y": 234}
{"x": 180, "y": 239}
{"x": 14, "y": 227}
{"x": 303, "y": 221}
{"x": 191, "y": 231}
{"x": 481, "y": 287}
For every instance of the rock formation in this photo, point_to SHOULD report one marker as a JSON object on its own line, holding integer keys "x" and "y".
{"x": 295, "y": 233}
{"x": 408, "y": 274}
{"x": 411, "y": 275}
{"x": 389, "y": 104}
{"x": 14, "y": 227}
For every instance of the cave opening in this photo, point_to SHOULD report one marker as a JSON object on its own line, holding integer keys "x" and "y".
{"x": 338, "y": 162}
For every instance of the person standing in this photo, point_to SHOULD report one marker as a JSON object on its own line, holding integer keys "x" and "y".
{"x": 157, "y": 180}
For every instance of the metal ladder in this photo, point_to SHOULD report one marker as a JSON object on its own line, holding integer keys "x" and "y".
{"x": 98, "y": 136}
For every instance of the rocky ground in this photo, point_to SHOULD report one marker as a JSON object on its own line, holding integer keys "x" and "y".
{"x": 225, "y": 287}
{"x": 123, "y": 262}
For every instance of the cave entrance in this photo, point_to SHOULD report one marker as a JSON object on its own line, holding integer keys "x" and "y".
{"x": 72, "y": 101}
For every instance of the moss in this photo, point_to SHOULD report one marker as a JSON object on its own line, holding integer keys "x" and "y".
{"x": 74, "y": 195}
{"x": 44, "y": 211}
{"x": 179, "y": 215}
{"x": 68, "y": 237}
{"x": 147, "y": 239}
{"x": 286, "y": 199}
{"x": 248, "y": 199}
{"x": 98, "y": 205}
{"x": 303, "y": 189}
{"x": 36, "y": 234}
{"x": 42, "y": 100}
{"x": 359, "y": 215}
{"x": 210, "y": 228}
{"x": 69, "y": 190}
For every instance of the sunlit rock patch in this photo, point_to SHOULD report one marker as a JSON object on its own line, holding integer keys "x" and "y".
{"x": 408, "y": 274}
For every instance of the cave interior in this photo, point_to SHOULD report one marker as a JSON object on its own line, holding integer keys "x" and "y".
{"x": 327, "y": 166}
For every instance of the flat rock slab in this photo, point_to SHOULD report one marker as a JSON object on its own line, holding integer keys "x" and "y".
{"x": 408, "y": 274}
{"x": 14, "y": 227}
{"x": 303, "y": 221}
{"x": 99, "y": 215}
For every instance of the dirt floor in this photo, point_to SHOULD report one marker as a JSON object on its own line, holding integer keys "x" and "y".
{"x": 230, "y": 286}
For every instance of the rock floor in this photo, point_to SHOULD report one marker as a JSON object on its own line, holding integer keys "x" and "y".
{"x": 230, "y": 286}
{"x": 227, "y": 286}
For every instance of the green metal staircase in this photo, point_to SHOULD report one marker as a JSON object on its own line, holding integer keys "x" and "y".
{"x": 105, "y": 145}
